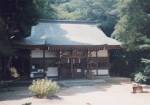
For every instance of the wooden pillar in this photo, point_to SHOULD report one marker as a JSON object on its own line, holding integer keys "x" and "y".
{"x": 30, "y": 63}
{"x": 97, "y": 62}
{"x": 59, "y": 64}
{"x": 108, "y": 61}
{"x": 44, "y": 62}
{"x": 1, "y": 68}
{"x": 5, "y": 68}
{"x": 87, "y": 67}
{"x": 71, "y": 65}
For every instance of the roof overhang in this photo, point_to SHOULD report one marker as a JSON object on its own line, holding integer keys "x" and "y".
{"x": 68, "y": 34}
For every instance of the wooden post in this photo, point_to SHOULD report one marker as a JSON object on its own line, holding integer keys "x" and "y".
{"x": 87, "y": 68}
{"x": 44, "y": 62}
{"x": 97, "y": 62}
{"x": 59, "y": 64}
{"x": 71, "y": 64}
{"x": 108, "y": 59}
{"x": 30, "y": 63}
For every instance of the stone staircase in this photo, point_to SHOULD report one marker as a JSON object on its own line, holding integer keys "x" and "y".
{"x": 101, "y": 80}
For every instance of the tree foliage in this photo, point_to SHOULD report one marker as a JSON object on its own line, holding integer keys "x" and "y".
{"x": 17, "y": 17}
{"x": 133, "y": 27}
{"x": 132, "y": 30}
{"x": 102, "y": 11}
{"x": 45, "y": 8}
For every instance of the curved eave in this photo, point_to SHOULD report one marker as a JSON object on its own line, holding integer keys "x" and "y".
{"x": 69, "y": 47}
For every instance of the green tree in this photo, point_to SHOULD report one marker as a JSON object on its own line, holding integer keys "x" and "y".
{"x": 133, "y": 31}
{"x": 17, "y": 17}
{"x": 133, "y": 27}
{"x": 102, "y": 11}
{"x": 45, "y": 9}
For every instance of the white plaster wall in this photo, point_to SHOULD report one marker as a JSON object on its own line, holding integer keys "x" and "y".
{"x": 103, "y": 72}
{"x": 50, "y": 54}
{"x": 100, "y": 72}
{"x": 93, "y": 54}
{"x": 79, "y": 70}
{"x": 52, "y": 71}
{"x": 102, "y": 53}
{"x": 36, "y": 54}
{"x": 94, "y": 72}
{"x": 39, "y": 54}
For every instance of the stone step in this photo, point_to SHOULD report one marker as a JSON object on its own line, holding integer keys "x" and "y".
{"x": 82, "y": 82}
{"x": 68, "y": 83}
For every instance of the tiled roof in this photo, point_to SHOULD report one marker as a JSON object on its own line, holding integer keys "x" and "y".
{"x": 68, "y": 33}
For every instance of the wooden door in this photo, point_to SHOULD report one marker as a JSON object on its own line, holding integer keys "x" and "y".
{"x": 65, "y": 72}
{"x": 78, "y": 73}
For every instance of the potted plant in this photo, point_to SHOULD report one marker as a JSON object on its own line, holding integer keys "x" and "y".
{"x": 139, "y": 78}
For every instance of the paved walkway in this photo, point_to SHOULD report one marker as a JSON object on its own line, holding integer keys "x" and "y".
{"x": 113, "y": 92}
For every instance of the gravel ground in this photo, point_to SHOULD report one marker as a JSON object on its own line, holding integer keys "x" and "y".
{"x": 99, "y": 94}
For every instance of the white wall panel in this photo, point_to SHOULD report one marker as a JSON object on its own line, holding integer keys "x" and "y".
{"x": 39, "y": 54}
{"x": 36, "y": 53}
{"x": 102, "y": 53}
{"x": 94, "y": 72}
{"x": 52, "y": 71}
{"x": 103, "y": 72}
{"x": 50, "y": 54}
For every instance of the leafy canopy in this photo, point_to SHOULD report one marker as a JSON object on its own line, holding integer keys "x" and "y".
{"x": 102, "y": 11}
{"x": 133, "y": 27}
{"x": 17, "y": 17}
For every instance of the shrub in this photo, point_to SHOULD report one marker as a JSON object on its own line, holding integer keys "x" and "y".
{"x": 43, "y": 87}
{"x": 139, "y": 77}
{"x": 14, "y": 72}
{"x": 27, "y": 103}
